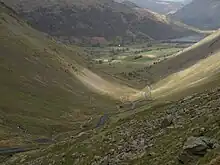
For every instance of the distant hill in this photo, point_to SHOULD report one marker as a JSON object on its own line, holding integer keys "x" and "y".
{"x": 130, "y": 4}
{"x": 187, "y": 1}
{"x": 203, "y": 14}
{"x": 79, "y": 21}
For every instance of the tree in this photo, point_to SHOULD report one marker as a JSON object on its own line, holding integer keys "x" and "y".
{"x": 118, "y": 40}
{"x": 149, "y": 45}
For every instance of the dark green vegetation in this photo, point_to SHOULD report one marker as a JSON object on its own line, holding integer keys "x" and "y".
{"x": 80, "y": 20}
{"x": 202, "y": 14}
{"x": 40, "y": 96}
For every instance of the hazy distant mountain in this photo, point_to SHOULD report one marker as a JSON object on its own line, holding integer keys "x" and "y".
{"x": 159, "y": 6}
{"x": 130, "y": 4}
{"x": 203, "y": 14}
{"x": 187, "y": 1}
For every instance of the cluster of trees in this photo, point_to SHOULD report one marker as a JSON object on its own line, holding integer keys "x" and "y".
{"x": 137, "y": 57}
{"x": 118, "y": 50}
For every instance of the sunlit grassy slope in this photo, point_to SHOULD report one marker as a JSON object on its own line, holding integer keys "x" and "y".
{"x": 205, "y": 73}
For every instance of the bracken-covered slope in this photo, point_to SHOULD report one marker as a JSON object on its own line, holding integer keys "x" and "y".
{"x": 203, "y": 14}
{"x": 79, "y": 21}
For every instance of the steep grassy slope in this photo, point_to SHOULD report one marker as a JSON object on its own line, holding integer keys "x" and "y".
{"x": 40, "y": 94}
{"x": 203, "y": 75}
{"x": 79, "y": 21}
{"x": 203, "y": 14}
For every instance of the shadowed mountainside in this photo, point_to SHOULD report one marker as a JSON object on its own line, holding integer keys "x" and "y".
{"x": 203, "y": 14}
{"x": 79, "y": 21}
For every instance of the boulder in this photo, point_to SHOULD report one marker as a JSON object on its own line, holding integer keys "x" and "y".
{"x": 167, "y": 121}
{"x": 196, "y": 147}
